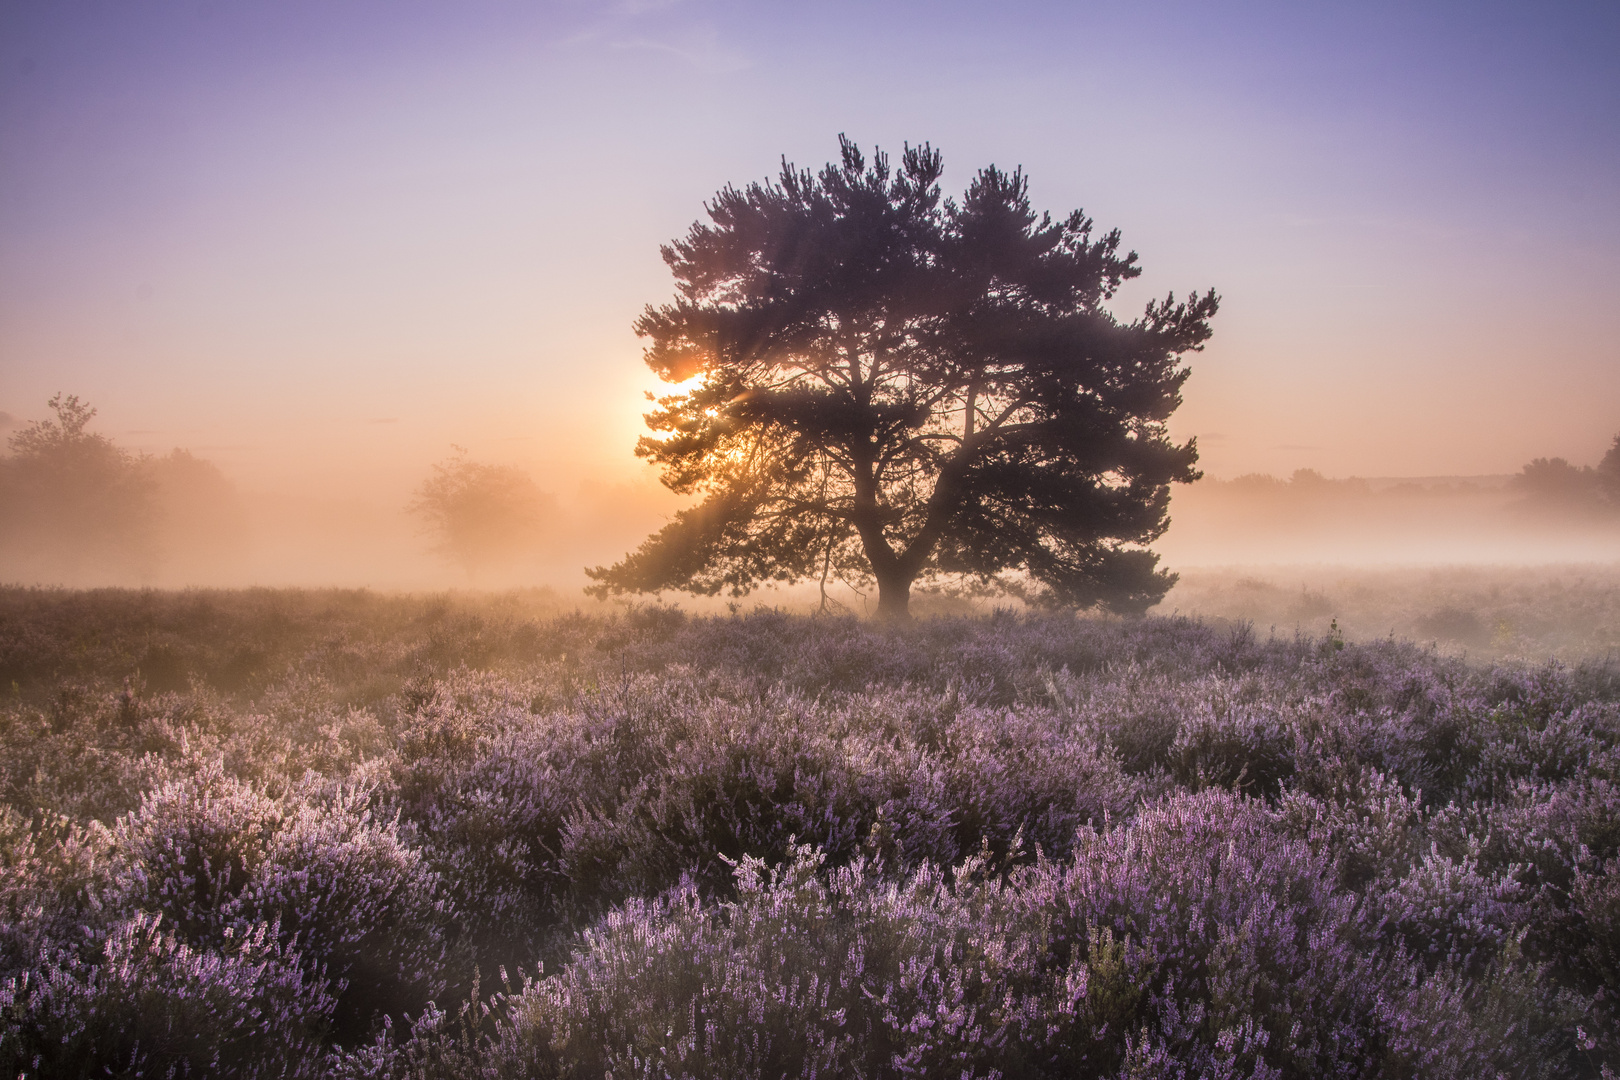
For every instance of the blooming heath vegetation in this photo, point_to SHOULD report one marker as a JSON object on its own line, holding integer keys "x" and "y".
{"x": 337, "y": 834}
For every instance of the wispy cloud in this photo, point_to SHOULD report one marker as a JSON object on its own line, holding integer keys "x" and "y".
{"x": 632, "y": 8}
{"x": 700, "y": 48}
{"x": 626, "y": 25}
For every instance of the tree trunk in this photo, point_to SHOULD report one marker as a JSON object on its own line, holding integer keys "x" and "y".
{"x": 894, "y": 598}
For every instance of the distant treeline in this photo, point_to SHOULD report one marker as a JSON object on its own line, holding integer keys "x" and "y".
{"x": 1309, "y": 482}
{"x": 1542, "y": 483}
{"x": 77, "y": 509}
{"x": 1556, "y": 480}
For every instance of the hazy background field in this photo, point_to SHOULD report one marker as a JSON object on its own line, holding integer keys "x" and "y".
{"x": 1483, "y": 566}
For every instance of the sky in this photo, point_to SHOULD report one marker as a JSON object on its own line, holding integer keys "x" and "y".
{"x": 319, "y": 243}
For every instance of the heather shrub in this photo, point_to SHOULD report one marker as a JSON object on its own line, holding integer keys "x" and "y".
{"x": 1445, "y": 909}
{"x": 491, "y": 832}
{"x": 51, "y": 871}
{"x": 1024, "y": 773}
{"x": 669, "y": 987}
{"x": 733, "y": 780}
{"x": 1022, "y": 845}
{"x": 1512, "y": 1019}
{"x": 1247, "y": 953}
{"x": 363, "y": 907}
{"x": 1193, "y": 940}
{"x": 215, "y": 857}
{"x": 1235, "y": 745}
{"x": 151, "y": 1005}
{"x": 804, "y": 973}
{"x": 1361, "y": 819}
{"x": 546, "y": 815}
{"x": 191, "y": 849}
{"x": 749, "y": 788}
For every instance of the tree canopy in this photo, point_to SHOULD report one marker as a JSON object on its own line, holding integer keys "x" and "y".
{"x": 882, "y": 384}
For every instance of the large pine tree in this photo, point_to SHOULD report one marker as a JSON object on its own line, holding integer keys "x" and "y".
{"x": 893, "y": 386}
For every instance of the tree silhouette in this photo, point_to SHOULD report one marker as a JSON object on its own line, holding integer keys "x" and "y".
{"x": 893, "y": 386}
{"x": 72, "y": 504}
{"x": 1554, "y": 481}
{"x": 1608, "y": 473}
{"x": 482, "y": 515}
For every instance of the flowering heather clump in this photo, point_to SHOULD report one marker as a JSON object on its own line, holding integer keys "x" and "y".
{"x": 145, "y": 1003}
{"x": 217, "y": 858}
{"x": 301, "y": 833}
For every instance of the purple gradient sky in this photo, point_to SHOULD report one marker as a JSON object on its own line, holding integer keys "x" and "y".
{"x": 318, "y": 242}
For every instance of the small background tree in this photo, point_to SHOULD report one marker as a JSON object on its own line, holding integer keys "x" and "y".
{"x": 1554, "y": 481}
{"x": 893, "y": 387}
{"x": 74, "y": 507}
{"x": 483, "y": 517}
{"x": 1608, "y": 474}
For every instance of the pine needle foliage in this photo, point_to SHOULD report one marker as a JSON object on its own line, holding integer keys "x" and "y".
{"x": 889, "y": 386}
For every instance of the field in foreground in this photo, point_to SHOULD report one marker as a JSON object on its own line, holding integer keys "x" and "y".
{"x": 286, "y": 834}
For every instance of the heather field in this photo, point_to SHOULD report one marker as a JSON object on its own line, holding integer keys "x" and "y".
{"x": 281, "y": 833}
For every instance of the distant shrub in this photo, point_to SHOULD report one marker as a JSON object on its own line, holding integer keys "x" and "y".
{"x": 52, "y": 870}
{"x": 1446, "y": 909}
{"x": 1232, "y": 930}
{"x": 1454, "y": 624}
{"x": 1233, "y": 744}
{"x": 1596, "y": 899}
{"x": 1361, "y": 819}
